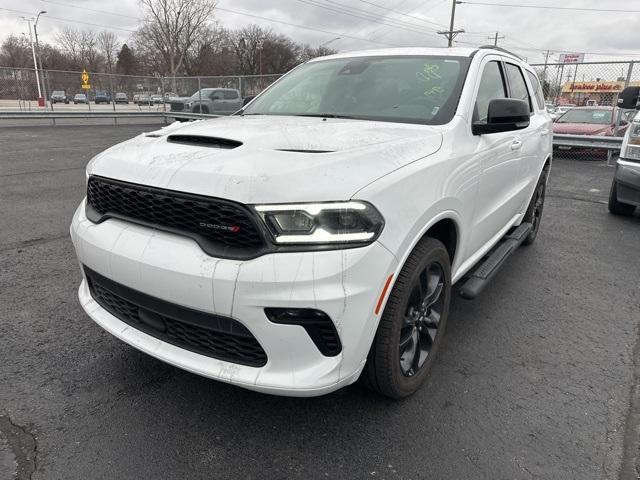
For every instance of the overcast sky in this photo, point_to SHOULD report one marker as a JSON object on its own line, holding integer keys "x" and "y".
{"x": 411, "y": 23}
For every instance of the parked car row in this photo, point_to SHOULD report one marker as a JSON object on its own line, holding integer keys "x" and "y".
{"x": 103, "y": 96}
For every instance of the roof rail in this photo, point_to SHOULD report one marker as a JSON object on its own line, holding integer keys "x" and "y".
{"x": 504, "y": 50}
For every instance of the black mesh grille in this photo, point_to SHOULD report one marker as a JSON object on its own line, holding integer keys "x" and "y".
{"x": 211, "y": 335}
{"x": 222, "y": 228}
{"x": 177, "y": 106}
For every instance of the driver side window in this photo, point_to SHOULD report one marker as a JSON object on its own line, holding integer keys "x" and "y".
{"x": 492, "y": 86}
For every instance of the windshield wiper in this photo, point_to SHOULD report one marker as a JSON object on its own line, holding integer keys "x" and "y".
{"x": 325, "y": 115}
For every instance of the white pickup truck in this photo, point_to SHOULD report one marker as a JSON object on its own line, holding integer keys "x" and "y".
{"x": 314, "y": 238}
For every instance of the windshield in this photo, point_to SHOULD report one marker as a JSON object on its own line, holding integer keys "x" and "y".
{"x": 598, "y": 117}
{"x": 57, "y": 92}
{"x": 408, "y": 89}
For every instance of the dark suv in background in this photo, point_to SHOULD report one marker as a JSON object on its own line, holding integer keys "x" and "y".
{"x": 58, "y": 96}
{"x": 102, "y": 97}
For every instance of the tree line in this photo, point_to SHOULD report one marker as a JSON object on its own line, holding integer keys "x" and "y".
{"x": 174, "y": 38}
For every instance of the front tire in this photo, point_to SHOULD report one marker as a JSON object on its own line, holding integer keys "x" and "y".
{"x": 536, "y": 206}
{"x": 616, "y": 207}
{"x": 412, "y": 324}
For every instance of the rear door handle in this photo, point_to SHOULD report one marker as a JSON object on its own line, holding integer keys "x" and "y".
{"x": 544, "y": 132}
{"x": 516, "y": 145}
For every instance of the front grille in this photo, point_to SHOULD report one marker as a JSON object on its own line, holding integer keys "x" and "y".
{"x": 204, "y": 333}
{"x": 177, "y": 106}
{"x": 222, "y": 228}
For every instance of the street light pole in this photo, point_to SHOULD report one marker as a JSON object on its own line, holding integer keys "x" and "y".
{"x": 330, "y": 41}
{"x": 35, "y": 33}
{"x": 33, "y": 51}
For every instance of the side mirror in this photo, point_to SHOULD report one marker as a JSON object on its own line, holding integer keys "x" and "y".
{"x": 247, "y": 100}
{"x": 629, "y": 98}
{"x": 504, "y": 115}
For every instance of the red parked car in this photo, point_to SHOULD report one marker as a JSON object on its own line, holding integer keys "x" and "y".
{"x": 600, "y": 121}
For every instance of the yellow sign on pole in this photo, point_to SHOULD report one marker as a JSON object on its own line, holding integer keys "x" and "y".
{"x": 85, "y": 80}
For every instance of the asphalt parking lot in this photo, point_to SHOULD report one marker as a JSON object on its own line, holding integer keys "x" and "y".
{"x": 536, "y": 378}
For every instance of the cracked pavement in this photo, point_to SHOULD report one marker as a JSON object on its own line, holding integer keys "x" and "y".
{"x": 534, "y": 379}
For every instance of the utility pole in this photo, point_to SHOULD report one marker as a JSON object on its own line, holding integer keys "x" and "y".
{"x": 495, "y": 38}
{"x": 35, "y": 33}
{"x": 33, "y": 51}
{"x": 451, "y": 33}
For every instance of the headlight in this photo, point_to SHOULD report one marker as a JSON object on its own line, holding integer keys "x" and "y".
{"x": 322, "y": 223}
{"x": 632, "y": 151}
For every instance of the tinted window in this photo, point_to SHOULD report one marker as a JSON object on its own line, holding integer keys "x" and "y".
{"x": 230, "y": 95}
{"x": 409, "y": 89}
{"x": 517, "y": 85}
{"x": 491, "y": 87}
{"x": 537, "y": 90}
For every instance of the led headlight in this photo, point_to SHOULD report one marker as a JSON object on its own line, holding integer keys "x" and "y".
{"x": 322, "y": 223}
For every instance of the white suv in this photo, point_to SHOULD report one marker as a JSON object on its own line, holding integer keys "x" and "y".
{"x": 314, "y": 237}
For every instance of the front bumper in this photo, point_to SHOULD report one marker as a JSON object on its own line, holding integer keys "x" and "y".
{"x": 627, "y": 177}
{"x": 345, "y": 284}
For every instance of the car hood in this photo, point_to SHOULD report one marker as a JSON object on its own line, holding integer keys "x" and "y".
{"x": 279, "y": 159}
{"x": 582, "y": 128}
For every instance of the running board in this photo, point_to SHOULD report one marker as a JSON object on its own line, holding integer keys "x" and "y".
{"x": 490, "y": 265}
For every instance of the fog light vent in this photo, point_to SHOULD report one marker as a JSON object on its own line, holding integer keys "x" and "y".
{"x": 317, "y": 324}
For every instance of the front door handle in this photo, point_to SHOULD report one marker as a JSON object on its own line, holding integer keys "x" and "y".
{"x": 516, "y": 145}
{"x": 544, "y": 132}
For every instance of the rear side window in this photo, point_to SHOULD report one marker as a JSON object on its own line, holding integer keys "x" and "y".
{"x": 491, "y": 87}
{"x": 230, "y": 95}
{"x": 517, "y": 85}
{"x": 537, "y": 90}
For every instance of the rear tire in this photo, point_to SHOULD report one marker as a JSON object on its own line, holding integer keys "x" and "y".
{"x": 412, "y": 324}
{"x": 616, "y": 207}
{"x": 536, "y": 206}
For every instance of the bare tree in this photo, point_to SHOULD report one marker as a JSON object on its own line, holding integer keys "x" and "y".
{"x": 89, "y": 53}
{"x": 172, "y": 27}
{"x": 15, "y": 52}
{"x": 69, "y": 41}
{"x": 81, "y": 46}
{"x": 108, "y": 44}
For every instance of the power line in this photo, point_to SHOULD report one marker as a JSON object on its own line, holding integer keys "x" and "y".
{"x": 305, "y": 27}
{"x": 71, "y": 21}
{"x": 551, "y": 7}
{"x": 344, "y": 10}
{"x": 402, "y": 13}
{"x": 89, "y": 9}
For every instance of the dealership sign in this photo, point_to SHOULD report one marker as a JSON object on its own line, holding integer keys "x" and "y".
{"x": 571, "y": 57}
{"x": 593, "y": 87}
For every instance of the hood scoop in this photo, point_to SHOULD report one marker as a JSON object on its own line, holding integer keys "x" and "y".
{"x": 204, "y": 141}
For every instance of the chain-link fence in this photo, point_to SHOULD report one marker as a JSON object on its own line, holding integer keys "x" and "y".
{"x": 20, "y": 89}
{"x": 582, "y": 100}
{"x": 580, "y": 97}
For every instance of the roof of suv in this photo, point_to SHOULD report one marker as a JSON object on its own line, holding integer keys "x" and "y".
{"x": 440, "y": 51}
